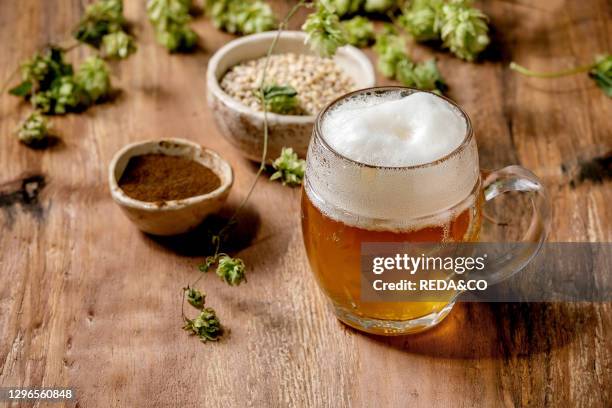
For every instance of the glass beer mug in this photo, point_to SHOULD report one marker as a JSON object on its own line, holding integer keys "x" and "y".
{"x": 347, "y": 202}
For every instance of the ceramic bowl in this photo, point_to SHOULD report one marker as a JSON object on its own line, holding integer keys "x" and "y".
{"x": 173, "y": 216}
{"x": 241, "y": 125}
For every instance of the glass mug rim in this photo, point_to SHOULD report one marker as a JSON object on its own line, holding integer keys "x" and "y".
{"x": 318, "y": 133}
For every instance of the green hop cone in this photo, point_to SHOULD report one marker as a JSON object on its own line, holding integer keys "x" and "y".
{"x": 391, "y": 50}
{"x": 359, "y": 31}
{"x": 68, "y": 94}
{"x": 289, "y": 168}
{"x": 231, "y": 270}
{"x": 378, "y": 6}
{"x": 101, "y": 18}
{"x": 464, "y": 29}
{"x": 420, "y": 19}
{"x": 34, "y": 130}
{"x": 169, "y": 19}
{"x": 93, "y": 76}
{"x": 251, "y": 17}
{"x": 424, "y": 75}
{"x": 178, "y": 38}
{"x": 195, "y": 298}
{"x": 43, "y": 101}
{"x": 118, "y": 45}
{"x": 164, "y": 13}
{"x": 324, "y": 32}
{"x": 206, "y": 325}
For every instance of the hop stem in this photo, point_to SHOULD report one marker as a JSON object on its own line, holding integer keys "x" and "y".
{"x": 525, "y": 71}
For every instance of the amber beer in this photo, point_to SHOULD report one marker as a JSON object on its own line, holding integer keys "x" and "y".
{"x": 334, "y": 248}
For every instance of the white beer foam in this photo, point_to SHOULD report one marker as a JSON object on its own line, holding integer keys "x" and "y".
{"x": 391, "y": 130}
{"x": 395, "y": 131}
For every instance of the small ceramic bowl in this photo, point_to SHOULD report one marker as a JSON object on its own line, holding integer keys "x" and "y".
{"x": 173, "y": 216}
{"x": 241, "y": 125}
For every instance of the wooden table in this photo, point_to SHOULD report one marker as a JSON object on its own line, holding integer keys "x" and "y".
{"x": 88, "y": 301}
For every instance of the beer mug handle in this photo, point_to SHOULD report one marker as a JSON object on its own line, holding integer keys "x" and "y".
{"x": 517, "y": 178}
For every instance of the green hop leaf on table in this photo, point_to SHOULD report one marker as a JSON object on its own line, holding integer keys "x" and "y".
{"x": 421, "y": 19}
{"x": 195, "y": 298}
{"x": 324, "y": 31}
{"x": 289, "y": 168}
{"x": 601, "y": 73}
{"x": 206, "y": 325}
{"x": 169, "y": 19}
{"x": 231, "y": 270}
{"x": 101, "y": 18}
{"x": 464, "y": 29}
{"x": 280, "y": 99}
{"x": 118, "y": 45}
{"x": 34, "y": 130}
{"x": 359, "y": 31}
{"x": 93, "y": 76}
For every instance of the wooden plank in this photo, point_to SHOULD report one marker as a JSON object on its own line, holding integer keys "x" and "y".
{"x": 88, "y": 301}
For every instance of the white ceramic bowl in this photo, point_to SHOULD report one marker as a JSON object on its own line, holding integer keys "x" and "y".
{"x": 241, "y": 125}
{"x": 173, "y": 216}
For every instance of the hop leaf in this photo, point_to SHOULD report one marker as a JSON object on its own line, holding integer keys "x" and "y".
{"x": 195, "y": 297}
{"x": 118, "y": 45}
{"x": 421, "y": 19}
{"x": 94, "y": 77}
{"x": 289, "y": 168}
{"x": 101, "y": 18}
{"x": 280, "y": 99}
{"x": 231, "y": 270}
{"x": 169, "y": 19}
{"x": 206, "y": 325}
{"x": 325, "y": 33}
{"x": 464, "y": 29}
{"x": 359, "y": 31}
{"x": 34, "y": 130}
{"x": 602, "y": 73}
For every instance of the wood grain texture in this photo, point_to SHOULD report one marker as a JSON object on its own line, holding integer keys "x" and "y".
{"x": 88, "y": 301}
